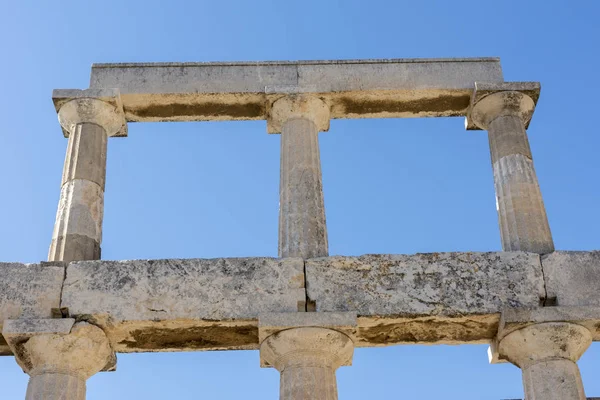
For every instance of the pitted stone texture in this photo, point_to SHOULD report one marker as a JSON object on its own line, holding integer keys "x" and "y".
{"x": 307, "y": 358}
{"x": 425, "y": 298}
{"x": 547, "y": 354}
{"x": 573, "y": 277}
{"x": 298, "y": 106}
{"x": 179, "y": 305}
{"x": 78, "y": 228}
{"x": 28, "y": 291}
{"x": 102, "y": 107}
{"x": 302, "y": 225}
{"x": 60, "y": 363}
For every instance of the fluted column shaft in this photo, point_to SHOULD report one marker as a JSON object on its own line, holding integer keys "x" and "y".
{"x": 307, "y": 359}
{"x": 521, "y": 212}
{"x": 547, "y": 354}
{"x": 302, "y": 226}
{"x": 78, "y": 228}
{"x": 55, "y": 385}
{"x": 308, "y": 377}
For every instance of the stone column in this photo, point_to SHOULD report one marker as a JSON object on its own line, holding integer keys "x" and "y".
{"x": 307, "y": 349}
{"x": 88, "y": 122}
{"x": 504, "y": 110}
{"x": 547, "y": 354}
{"x": 58, "y": 360}
{"x": 302, "y": 228}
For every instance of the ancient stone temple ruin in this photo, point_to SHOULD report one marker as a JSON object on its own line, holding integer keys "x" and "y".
{"x": 64, "y": 319}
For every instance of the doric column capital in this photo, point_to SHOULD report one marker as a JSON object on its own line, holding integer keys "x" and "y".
{"x": 298, "y": 106}
{"x": 492, "y": 100}
{"x": 59, "y": 346}
{"x": 306, "y": 339}
{"x": 102, "y": 107}
{"x": 307, "y": 346}
{"x": 545, "y": 341}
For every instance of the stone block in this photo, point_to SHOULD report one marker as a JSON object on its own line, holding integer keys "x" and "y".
{"x": 572, "y": 277}
{"x": 243, "y": 90}
{"x": 425, "y": 298}
{"x": 28, "y": 291}
{"x": 181, "y": 305}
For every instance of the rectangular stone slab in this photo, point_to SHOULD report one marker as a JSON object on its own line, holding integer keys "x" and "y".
{"x": 183, "y": 305}
{"x": 395, "y": 88}
{"x": 28, "y": 291}
{"x": 425, "y": 298}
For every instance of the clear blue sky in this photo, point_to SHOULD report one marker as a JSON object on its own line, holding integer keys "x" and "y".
{"x": 211, "y": 189}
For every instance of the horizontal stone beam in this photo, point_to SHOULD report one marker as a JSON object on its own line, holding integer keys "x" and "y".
{"x": 214, "y": 304}
{"x": 179, "y": 305}
{"x": 432, "y": 298}
{"x": 243, "y": 91}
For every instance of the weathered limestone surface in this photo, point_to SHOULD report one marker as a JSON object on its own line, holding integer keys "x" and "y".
{"x": 302, "y": 227}
{"x": 242, "y": 91}
{"x": 307, "y": 359}
{"x": 59, "y": 355}
{"x": 78, "y": 227}
{"x": 573, "y": 277}
{"x": 547, "y": 354}
{"x": 88, "y": 118}
{"x": 102, "y": 107}
{"x": 271, "y": 323}
{"x": 515, "y": 319}
{"x": 307, "y": 348}
{"x": 179, "y": 305}
{"x": 504, "y": 110}
{"x": 166, "y": 305}
{"x": 28, "y": 291}
{"x": 425, "y": 298}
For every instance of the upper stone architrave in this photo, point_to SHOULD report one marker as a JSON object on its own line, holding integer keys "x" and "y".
{"x": 397, "y": 88}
